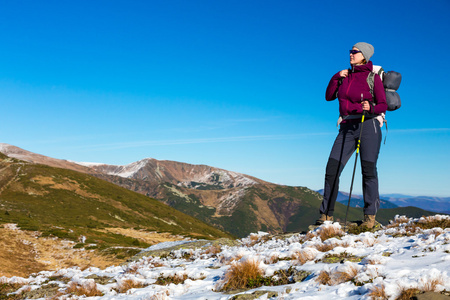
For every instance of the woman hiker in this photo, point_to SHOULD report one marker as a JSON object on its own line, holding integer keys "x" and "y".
{"x": 351, "y": 88}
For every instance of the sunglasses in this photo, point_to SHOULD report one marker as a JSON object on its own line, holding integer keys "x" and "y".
{"x": 354, "y": 51}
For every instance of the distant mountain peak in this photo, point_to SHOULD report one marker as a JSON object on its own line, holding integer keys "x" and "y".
{"x": 125, "y": 171}
{"x": 178, "y": 173}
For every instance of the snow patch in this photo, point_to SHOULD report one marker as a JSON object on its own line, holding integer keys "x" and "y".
{"x": 391, "y": 260}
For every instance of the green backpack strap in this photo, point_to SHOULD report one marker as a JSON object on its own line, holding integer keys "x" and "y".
{"x": 370, "y": 82}
{"x": 371, "y": 79}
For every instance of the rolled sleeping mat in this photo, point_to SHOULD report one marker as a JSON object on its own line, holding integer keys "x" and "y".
{"x": 392, "y": 80}
{"x": 393, "y": 100}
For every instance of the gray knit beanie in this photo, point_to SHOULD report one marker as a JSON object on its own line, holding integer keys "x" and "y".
{"x": 366, "y": 49}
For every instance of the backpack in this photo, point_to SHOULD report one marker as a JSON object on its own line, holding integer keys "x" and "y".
{"x": 391, "y": 82}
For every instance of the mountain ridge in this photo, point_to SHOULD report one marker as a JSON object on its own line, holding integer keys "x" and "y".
{"x": 430, "y": 203}
{"x": 234, "y": 202}
{"x": 84, "y": 212}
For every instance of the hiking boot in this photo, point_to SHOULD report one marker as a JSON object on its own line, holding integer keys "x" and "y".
{"x": 369, "y": 221}
{"x": 323, "y": 218}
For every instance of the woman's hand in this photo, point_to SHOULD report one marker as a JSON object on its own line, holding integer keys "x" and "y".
{"x": 366, "y": 105}
{"x": 343, "y": 73}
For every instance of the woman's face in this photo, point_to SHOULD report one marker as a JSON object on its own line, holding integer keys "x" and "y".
{"x": 357, "y": 58}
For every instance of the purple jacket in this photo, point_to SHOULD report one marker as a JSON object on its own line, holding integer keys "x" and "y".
{"x": 349, "y": 92}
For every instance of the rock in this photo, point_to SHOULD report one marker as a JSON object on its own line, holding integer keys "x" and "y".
{"x": 341, "y": 258}
{"x": 431, "y": 296}
{"x": 254, "y": 295}
{"x": 299, "y": 276}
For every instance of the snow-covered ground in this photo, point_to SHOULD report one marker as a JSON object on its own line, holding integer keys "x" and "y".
{"x": 389, "y": 260}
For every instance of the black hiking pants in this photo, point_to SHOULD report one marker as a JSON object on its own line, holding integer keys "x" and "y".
{"x": 343, "y": 148}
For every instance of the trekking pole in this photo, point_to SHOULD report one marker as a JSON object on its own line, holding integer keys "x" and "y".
{"x": 354, "y": 167}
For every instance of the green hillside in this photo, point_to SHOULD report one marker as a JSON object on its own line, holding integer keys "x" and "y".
{"x": 68, "y": 204}
{"x": 295, "y": 208}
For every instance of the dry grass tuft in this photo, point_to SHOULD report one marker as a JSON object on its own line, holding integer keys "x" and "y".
{"x": 344, "y": 276}
{"x": 330, "y": 232}
{"x": 88, "y": 289}
{"x": 325, "y": 247}
{"x": 155, "y": 262}
{"x": 324, "y": 232}
{"x": 369, "y": 242}
{"x": 398, "y": 220}
{"x": 229, "y": 260}
{"x": 303, "y": 256}
{"x": 433, "y": 222}
{"x": 151, "y": 262}
{"x": 345, "y": 244}
{"x": 132, "y": 269}
{"x": 324, "y": 278}
{"x": 213, "y": 250}
{"x": 240, "y": 274}
{"x": 378, "y": 293}
{"x": 272, "y": 259}
{"x": 337, "y": 277}
{"x": 254, "y": 239}
{"x": 373, "y": 261}
{"x": 407, "y": 294}
{"x": 129, "y": 284}
{"x": 309, "y": 236}
{"x": 430, "y": 285}
{"x": 414, "y": 226}
{"x": 161, "y": 296}
{"x": 437, "y": 231}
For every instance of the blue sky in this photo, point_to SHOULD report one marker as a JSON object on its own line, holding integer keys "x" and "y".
{"x": 237, "y": 85}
